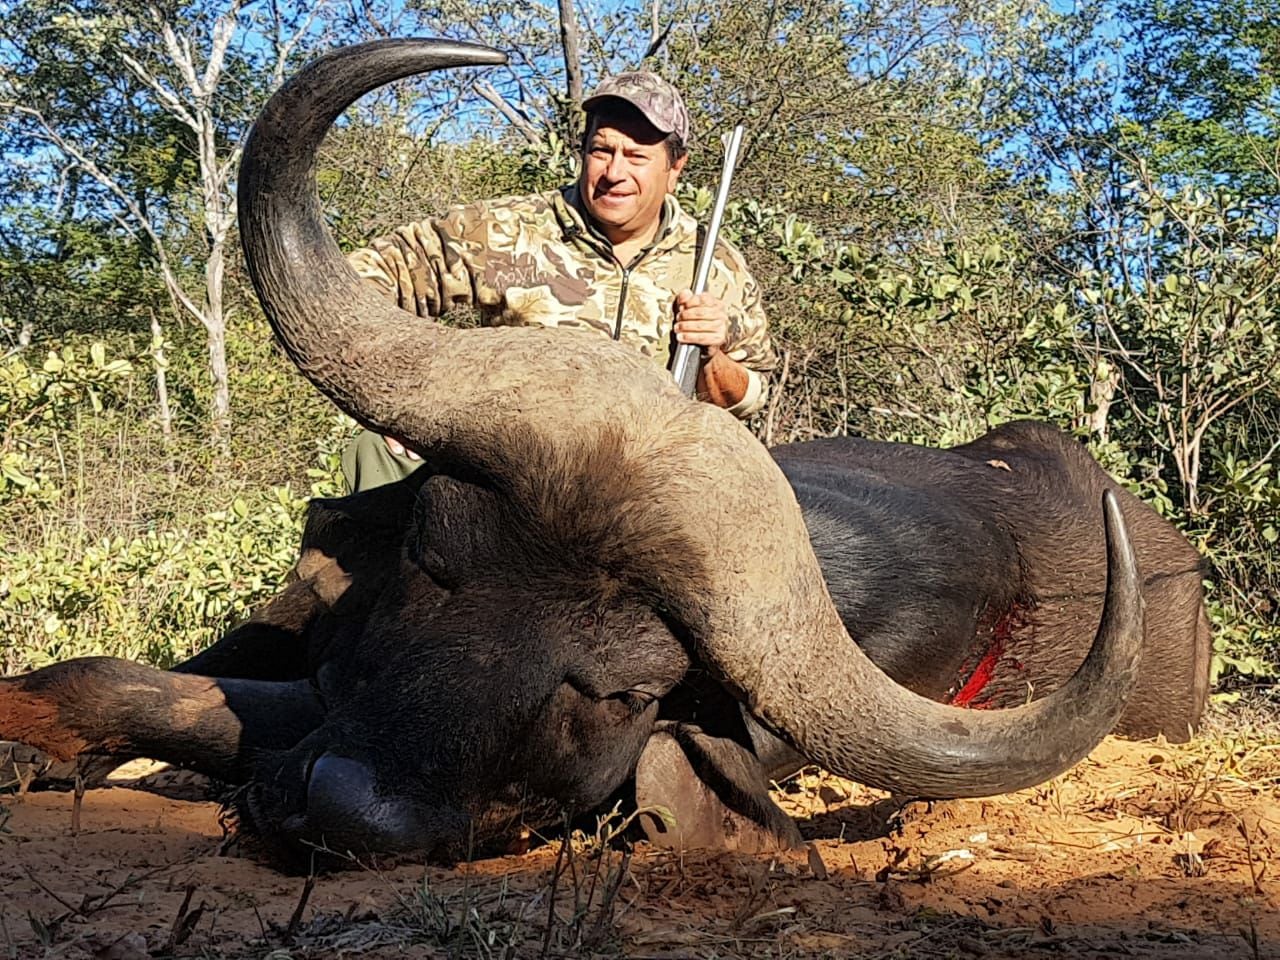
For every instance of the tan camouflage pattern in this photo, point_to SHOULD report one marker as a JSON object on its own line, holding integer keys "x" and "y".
{"x": 534, "y": 261}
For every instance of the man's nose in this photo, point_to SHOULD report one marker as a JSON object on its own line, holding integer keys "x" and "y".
{"x": 616, "y": 170}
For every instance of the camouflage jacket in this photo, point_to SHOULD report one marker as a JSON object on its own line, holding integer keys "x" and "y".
{"x": 535, "y": 260}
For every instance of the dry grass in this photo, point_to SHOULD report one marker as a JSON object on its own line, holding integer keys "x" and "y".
{"x": 1145, "y": 849}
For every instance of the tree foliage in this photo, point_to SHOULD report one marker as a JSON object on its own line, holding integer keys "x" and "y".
{"x": 1202, "y": 81}
{"x": 960, "y": 213}
{"x": 144, "y": 107}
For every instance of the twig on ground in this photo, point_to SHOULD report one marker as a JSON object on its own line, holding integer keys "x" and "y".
{"x": 551, "y": 896}
{"x": 76, "y": 802}
{"x": 89, "y": 904}
{"x": 1255, "y": 875}
{"x": 184, "y": 921}
{"x": 295, "y": 920}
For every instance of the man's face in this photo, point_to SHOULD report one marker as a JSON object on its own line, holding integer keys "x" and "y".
{"x": 626, "y": 173}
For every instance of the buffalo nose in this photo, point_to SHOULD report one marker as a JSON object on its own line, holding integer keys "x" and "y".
{"x": 345, "y": 813}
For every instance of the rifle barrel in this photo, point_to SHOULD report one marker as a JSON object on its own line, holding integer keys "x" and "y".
{"x": 684, "y": 367}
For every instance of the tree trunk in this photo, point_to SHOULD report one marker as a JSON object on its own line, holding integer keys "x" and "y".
{"x": 1194, "y": 448}
{"x": 572, "y": 58}
{"x": 216, "y": 328}
{"x": 164, "y": 412}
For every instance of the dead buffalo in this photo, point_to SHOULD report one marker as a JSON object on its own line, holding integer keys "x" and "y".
{"x": 597, "y": 585}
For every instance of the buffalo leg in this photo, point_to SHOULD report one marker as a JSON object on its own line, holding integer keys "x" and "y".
{"x": 1173, "y": 685}
{"x": 120, "y": 708}
{"x": 715, "y": 790}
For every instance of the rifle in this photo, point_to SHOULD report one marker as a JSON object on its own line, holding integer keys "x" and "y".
{"x": 684, "y": 367}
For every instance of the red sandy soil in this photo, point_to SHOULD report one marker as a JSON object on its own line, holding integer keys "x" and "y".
{"x": 1143, "y": 850}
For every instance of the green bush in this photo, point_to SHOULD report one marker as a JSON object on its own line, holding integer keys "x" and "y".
{"x": 163, "y": 582}
{"x": 39, "y": 403}
{"x": 157, "y": 597}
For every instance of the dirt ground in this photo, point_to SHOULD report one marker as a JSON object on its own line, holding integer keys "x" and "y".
{"x": 1143, "y": 850}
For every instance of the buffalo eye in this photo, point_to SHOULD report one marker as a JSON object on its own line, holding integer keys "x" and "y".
{"x": 636, "y": 699}
{"x": 430, "y": 561}
{"x": 588, "y": 621}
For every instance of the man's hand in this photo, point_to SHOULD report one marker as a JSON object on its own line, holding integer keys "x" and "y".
{"x": 399, "y": 449}
{"x": 702, "y": 320}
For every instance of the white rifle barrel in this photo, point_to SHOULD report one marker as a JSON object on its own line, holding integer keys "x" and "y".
{"x": 684, "y": 367}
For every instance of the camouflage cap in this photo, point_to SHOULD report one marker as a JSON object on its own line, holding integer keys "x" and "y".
{"x": 657, "y": 100}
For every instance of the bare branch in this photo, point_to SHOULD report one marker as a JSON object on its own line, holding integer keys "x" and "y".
{"x": 516, "y": 49}
{"x": 362, "y": 11}
{"x": 656, "y": 39}
{"x": 285, "y": 50}
{"x": 168, "y": 99}
{"x": 223, "y": 29}
{"x": 179, "y": 51}
{"x": 510, "y": 113}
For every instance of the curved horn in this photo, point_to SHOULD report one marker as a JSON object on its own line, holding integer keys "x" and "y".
{"x": 746, "y": 583}
{"x": 372, "y": 359}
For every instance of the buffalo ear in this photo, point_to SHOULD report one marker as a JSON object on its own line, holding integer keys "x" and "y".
{"x": 696, "y": 790}
{"x": 459, "y": 531}
{"x": 353, "y": 538}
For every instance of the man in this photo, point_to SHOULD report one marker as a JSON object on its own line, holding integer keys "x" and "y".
{"x": 613, "y": 252}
